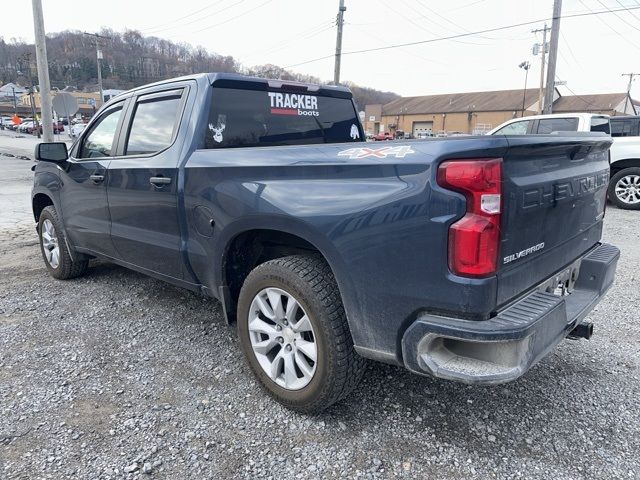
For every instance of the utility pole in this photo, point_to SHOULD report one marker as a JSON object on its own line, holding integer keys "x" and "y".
{"x": 542, "y": 64}
{"x": 626, "y": 100}
{"x": 98, "y": 58}
{"x": 526, "y": 66}
{"x": 43, "y": 72}
{"x": 553, "y": 56}
{"x": 36, "y": 128}
{"x": 15, "y": 105}
{"x": 340, "y": 23}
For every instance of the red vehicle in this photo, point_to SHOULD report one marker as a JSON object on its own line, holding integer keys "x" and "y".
{"x": 383, "y": 136}
{"x": 57, "y": 128}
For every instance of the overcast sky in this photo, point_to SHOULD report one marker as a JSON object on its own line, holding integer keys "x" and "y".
{"x": 594, "y": 50}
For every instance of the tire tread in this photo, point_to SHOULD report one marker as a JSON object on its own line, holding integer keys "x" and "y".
{"x": 349, "y": 366}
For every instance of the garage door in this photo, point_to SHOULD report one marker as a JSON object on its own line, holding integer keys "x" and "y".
{"x": 422, "y": 128}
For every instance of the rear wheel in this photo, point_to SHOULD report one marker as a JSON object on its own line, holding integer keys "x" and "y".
{"x": 294, "y": 333}
{"x": 54, "y": 247}
{"x": 624, "y": 189}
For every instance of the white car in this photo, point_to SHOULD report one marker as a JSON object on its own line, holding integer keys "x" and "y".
{"x": 624, "y": 184}
{"x": 555, "y": 122}
{"x": 24, "y": 127}
{"x": 76, "y": 129}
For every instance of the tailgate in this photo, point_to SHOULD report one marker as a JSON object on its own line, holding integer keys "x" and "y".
{"x": 554, "y": 190}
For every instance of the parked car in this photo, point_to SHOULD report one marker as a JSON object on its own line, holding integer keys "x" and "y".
{"x": 77, "y": 129}
{"x": 423, "y": 135}
{"x": 378, "y": 137}
{"x": 326, "y": 250}
{"x": 624, "y": 188}
{"x": 624, "y": 185}
{"x": 26, "y": 126}
{"x": 5, "y": 122}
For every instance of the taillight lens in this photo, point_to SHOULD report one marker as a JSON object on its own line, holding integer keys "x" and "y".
{"x": 474, "y": 239}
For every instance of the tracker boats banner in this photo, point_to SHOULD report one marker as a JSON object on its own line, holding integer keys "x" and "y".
{"x": 293, "y": 104}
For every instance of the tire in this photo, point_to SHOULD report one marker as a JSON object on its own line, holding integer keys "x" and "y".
{"x": 627, "y": 184}
{"x": 53, "y": 247}
{"x": 308, "y": 281}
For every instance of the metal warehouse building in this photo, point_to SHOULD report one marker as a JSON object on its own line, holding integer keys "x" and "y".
{"x": 478, "y": 112}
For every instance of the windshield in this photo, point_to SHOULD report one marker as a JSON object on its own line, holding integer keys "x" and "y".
{"x": 252, "y": 118}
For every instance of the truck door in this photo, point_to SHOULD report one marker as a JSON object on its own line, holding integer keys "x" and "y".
{"x": 84, "y": 198}
{"x": 142, "y": 184}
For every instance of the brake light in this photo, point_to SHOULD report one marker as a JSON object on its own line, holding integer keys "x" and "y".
{"x": 474, "y": 239}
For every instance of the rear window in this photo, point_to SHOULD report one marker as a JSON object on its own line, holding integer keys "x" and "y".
{"x": 625, "y": 127}
{"x": 549, "y": 125}
{"x": 600, "y": 124}
{"x": 260, "y": 118}
{"x": 515, "y": 128}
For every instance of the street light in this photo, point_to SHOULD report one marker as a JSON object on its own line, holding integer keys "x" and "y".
{"x": 526, "y": 66}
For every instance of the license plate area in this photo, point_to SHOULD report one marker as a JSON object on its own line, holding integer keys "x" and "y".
{"x": 562, "y": 283}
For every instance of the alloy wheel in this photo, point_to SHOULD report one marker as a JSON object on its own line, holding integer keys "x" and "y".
{"x": 282, "y": 338}
{"x": 628, "y": 189}
{"x": 50, "y": 243}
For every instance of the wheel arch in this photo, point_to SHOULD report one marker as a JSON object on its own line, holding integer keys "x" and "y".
{"x": 39, "y": 202}
{"x": 622, "y": 164}
{"x": 249, "y": 247}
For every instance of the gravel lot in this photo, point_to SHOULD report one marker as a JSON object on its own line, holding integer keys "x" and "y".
{"x": 115, "y": 375}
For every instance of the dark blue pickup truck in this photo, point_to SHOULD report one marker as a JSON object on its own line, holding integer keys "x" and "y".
{"x": 467, "y": 259}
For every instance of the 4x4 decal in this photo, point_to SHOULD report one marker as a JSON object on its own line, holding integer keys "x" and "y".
{"x": 383, "y": 152}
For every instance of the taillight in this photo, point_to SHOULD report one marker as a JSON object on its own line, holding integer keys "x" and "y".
{"x": 474, "y": 239}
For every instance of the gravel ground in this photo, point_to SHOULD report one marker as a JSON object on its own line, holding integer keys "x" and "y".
{"x": 116, "y": 375}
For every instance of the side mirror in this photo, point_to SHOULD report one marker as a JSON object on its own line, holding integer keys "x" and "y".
{"x": 55, "y": 152}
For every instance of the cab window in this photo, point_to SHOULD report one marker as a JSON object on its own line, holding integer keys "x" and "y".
{"x": 600, "y": 124}
{"x": 98, "y": 142}
{"x": 549, "y": 125}
{"x": 625, "y": 127}
{"x": 154, "y": 123}
{"x": 515, "y": 128}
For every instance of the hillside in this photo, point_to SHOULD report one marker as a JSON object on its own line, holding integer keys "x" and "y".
{"x": 131, "y": 59}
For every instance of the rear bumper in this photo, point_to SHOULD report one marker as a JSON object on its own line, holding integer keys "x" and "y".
{"x": 504, "y": 347}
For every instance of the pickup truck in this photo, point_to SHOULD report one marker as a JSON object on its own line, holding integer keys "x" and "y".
{"x": 624, "y": 154}
{"x": 467, "y": 259}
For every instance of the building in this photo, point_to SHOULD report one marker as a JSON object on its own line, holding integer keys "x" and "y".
{"x": 109, "y": 93}
{"x": 87, "y": 102}
{"x": 479, "y": 112}
{"x": 10, "y": 90}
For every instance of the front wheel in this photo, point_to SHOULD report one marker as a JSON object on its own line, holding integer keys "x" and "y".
{"x": 624, "y": 189}
{"x": 54, "y": 247}
{"x": 294, "y": 333}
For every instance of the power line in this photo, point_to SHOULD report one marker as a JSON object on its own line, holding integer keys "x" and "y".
{"x": 621, "y": 18}
{"x": 610, "y": 27}
{"x": 568, "y": 45}
{"x": 467, "y": 5}
{"x": 420, "y": 26}
{"x": 458, "y": 26}
{"x": 586, "y": 102}
{"x": 253, "y": 9}
{"x": 407, "y": 52}
{"x": 626, "y": 8}
{"x": 461, "y": 35}
{"x": 181, "y": 18}
{"x": 217, "y": 12}
{"x": 288, "y": 42}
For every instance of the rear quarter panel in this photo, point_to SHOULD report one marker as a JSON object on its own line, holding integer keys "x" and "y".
{"x": 381, "y": 224}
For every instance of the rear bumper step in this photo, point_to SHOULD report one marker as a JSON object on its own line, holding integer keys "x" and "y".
{"x": 504, "y": 347}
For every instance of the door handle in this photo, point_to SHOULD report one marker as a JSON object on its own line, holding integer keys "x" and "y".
{"x": 96, "y": 178}
{"x": 159, "y": 181}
